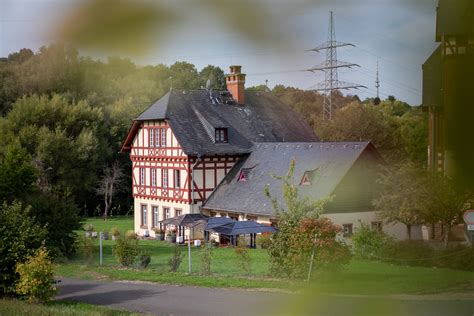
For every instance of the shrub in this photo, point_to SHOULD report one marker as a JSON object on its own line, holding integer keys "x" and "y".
{"x": 130, "y": 234}
{"x": 144, "y": 260}
{"x": 126, "y": 250}
{"x": 243, "y": 256}
{"x": 36, "y": 277}
{"x": 115, "y": 231}
{"x": 264, "y": 241}
{"x": 458, "y": 257}
{"x": 300, "y": 238}
{"x": 206, "y": 257}
{"x": 89, "y": 228}
{"x": 175, "y": 259}
{"x": 369, "y": 243}
{"x": 408, "y": 252}
{"x": 87, "y": 247}
{"x": 20, "y": 235}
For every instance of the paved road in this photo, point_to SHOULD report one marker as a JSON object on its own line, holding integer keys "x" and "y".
{"x": 159, "y": 299}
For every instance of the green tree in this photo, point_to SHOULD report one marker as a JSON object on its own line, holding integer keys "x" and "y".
{"x": 400, "y": 199}
{"x": 444, "y": 201}
{"x": 282, "y": 251}
{"x": 364, "y": 122}
{"x": 215, "y": 75}
{"x": 17, "y": 174}
{"x": 20, "y": 236}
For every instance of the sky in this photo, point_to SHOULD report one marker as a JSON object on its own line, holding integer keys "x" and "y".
{"x": 398, "y": 34}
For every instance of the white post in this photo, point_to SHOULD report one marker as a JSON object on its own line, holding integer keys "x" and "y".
{"x": 189, "y": 253}
{"x": 100, "y": 246}
{"x": 311, "y": 262}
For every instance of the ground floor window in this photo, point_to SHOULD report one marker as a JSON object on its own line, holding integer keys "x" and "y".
{"x": 155, "y": 216}
{"x": 178, "y": 212}
{"x": 144, "y": 214}
{"x": 377, "y": 226}
{"x": 347, "y": 230}
{"x": 234, "y": 216}
{"x": 166, "y": 212}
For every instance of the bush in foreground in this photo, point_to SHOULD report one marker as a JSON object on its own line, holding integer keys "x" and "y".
{"x": 126, "y": 250}
{"x": 36, "y": 277}
{"x": 20, "y": 235}
{"x": 175, "y": 260}
{"x": 369, "y": 243}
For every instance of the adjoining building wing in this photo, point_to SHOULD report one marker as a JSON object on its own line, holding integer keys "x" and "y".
{"x": 321, "y": 169}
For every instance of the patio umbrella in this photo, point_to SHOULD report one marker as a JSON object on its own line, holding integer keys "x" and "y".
{"x": 188, "y": 220}
{"x": 213, "y": 222}
{"x": 241, "y": 228}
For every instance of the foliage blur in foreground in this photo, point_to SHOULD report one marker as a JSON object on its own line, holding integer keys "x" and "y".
{"x": 36, "y": 280}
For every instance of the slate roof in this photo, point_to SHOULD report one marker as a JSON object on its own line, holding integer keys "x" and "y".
{"x": 193, "y": 116}
{"x": 326, "y": 162}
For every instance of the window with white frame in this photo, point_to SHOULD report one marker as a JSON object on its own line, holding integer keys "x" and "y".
{"x": 177, "y": 179}
{"x": 153, "y": 177}
{"x": 163, "y": 137}
{"x": 144, "y": 215}
{"x": 155, "y": 216}
{"x": 221, "y": 135}
{"x": 142, "y": 176}
{"x": 166, "y": 212}
{"x": 164, "y": 178}
{"x": 178, "y": 212}
{"x": 151, "y": 138}
{"x": 157, "y": 137}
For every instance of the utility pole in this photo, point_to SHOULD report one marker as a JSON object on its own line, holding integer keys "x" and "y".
{"x": 330, "y": 66}
{"x": 377, "y": 82}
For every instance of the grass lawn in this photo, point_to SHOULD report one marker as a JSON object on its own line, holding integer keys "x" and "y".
{"x": 359, "y": 277}
{"x": 17, "y": 307}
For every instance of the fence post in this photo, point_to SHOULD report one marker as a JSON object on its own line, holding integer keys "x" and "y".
{"x": 100, "y": 246}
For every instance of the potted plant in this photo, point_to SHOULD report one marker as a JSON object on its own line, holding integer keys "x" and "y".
{"x": 171, "y": 236}
{"x": 89, "y": 230}
{"x": 115, "y": 232}
{"x": 159, "y": 235}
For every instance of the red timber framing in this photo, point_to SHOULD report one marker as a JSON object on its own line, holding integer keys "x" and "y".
{"x": 208, "y": 172}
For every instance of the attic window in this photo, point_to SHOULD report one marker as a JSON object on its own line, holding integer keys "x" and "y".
{"x": 244, "y": 174}
{"x": 221, "y": 135}
{"x": 305, "y": 180}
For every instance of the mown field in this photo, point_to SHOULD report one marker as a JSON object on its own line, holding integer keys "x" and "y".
{"x": 359, "y": 277}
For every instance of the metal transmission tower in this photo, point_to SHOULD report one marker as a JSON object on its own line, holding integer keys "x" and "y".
{"x": 330, "y": 66}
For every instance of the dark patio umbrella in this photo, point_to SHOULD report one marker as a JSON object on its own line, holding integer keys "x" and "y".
{"x": 241, "y": 228}
{"x": 213, "y": 222}
{"x": 188, "y": 220}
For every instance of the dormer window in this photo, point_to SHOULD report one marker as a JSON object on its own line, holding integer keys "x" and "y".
{"x": 305, "y": 180}
{"x": 221, "y": 135}
{"x": 245, "y": 173}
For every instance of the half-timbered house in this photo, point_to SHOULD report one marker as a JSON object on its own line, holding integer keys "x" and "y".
{"x": 185, "y": 143}
{"x": 215, "y": 151}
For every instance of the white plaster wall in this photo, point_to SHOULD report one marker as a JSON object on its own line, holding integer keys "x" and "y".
{"x": 185, "y": 209}
{"x": 396, "y": 230}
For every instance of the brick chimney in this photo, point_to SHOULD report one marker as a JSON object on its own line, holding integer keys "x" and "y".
{"x": 236, "y": 84}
